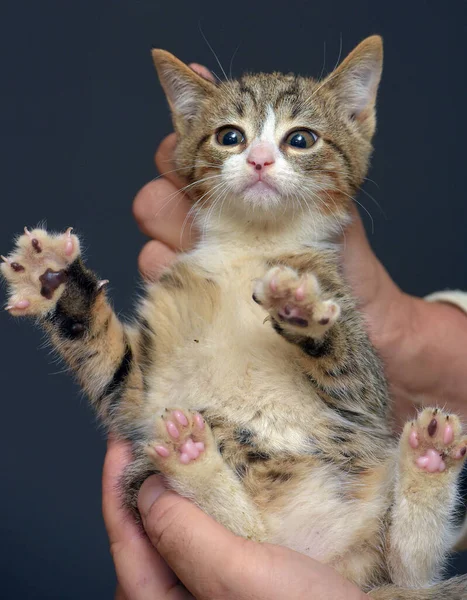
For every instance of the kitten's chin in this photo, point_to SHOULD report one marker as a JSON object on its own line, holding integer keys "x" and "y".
{"x": 261, "y": 195}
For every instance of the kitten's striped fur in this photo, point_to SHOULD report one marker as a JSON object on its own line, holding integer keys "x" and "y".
{"x": 298, "y": 447}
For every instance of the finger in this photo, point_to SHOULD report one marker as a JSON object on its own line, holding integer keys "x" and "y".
{"x": 119, "y": 595}
{"x": 154, "y": 258}
{"x": 141, "y": 572}
{"x": 214, "y": 563}
{"x": 160, "y": 210}
{"x": 165, "y": 163}
{"x": 198, "y": 549}
{"x": 202, "y": 70}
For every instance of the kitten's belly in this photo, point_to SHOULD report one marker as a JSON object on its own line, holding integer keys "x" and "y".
{"x": 221, "y": 351}
{"x": 239, "y": 367}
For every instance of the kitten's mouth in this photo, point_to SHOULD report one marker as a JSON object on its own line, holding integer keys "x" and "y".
{"x": 261, "y": 186}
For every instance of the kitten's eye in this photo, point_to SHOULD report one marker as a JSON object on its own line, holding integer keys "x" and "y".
{"x": 302, "y": 139}
{"x": 229, "y": 136}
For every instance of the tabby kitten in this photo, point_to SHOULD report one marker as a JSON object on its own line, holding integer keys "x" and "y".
{"x": 247, "y": 377}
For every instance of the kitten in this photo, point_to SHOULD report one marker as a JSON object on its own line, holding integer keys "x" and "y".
{"x": 247, "y": 377}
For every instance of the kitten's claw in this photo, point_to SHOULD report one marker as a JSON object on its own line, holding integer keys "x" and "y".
{"x": 102, "y": 283}
{"x": 69, "y": 242}
{"x": 34, "y": 241}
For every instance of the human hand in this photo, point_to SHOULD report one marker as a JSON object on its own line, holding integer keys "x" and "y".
{"x": 421, "y": 343}
{"x": 185, "y": 545}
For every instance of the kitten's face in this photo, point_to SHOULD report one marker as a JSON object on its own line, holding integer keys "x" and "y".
{"x": 269, "y": 145}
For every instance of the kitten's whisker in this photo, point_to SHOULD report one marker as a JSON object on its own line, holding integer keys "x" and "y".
{"x": 340, "y": 51}
{"x": 226, "y": 194}
{"x": 325, "y": 82}
{"x": 339, "y": 224}
{"x": 171, "y": 160}
{"x": 212, "y": 50}
{"x": 324, "y": 62}
{"x": 364, "y": 208}
{"x": 180, "y": 192}
{"x": 214, "y": 204}
{"x": 232, "y": 59}
{"x": 200, "y": 162}
{"x": 183, "y": 168}
{"x": 196, "y": 208}
{"x": 375, "y": 201}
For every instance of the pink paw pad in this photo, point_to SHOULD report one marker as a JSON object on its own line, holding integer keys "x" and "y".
{"x": 448, "y": 435}
{"x": 180, "y": 417}
{"x": 172, "y": 429}
{"x": 20, "y": 305}
{"x": 431, "y": 461}
{"x": 413, "y": 439}
{"x": 293, "y": 315}
{"x": 300, "y": 293}
{"x": 199, "y": 420}
{"x": 162, "y": 451}
{"x": 190, "y": 450}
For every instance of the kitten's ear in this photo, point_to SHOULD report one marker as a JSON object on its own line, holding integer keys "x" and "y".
{"x": 185, "y": 89}
{"x": 357, "y": 78}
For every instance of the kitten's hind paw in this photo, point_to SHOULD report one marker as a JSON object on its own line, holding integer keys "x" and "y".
{"x": 182, "y": 437}
{"x": 296, "y": 301}
{"x": 36, "y": 270}
{"x": 434, "y": 441}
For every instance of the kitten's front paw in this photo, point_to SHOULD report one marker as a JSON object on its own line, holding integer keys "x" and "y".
{"x": 434, "y": 441}
{"x": 182, "y": 437}
{"x": 36, "y": 270}
{"x": 296, "y": 300}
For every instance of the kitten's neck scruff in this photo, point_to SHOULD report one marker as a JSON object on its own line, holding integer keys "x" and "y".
{"x": 272, "y": 158}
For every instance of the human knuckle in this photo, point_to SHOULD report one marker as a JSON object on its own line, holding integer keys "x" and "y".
{"x": 162, "y": 523}
{"x": 140, "y": 204}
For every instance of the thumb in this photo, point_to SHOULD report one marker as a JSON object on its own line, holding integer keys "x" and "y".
{"x": 201, "y": 552}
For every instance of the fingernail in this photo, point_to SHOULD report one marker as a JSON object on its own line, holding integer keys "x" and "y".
{"x": 150, "y": 491}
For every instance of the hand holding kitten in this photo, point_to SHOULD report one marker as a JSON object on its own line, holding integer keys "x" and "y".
{"x": 184, "y": 543}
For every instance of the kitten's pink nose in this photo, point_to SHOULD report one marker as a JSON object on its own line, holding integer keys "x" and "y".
{"x": 260, "y": 156}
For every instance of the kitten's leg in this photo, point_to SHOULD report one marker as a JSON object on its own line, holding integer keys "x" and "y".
{"x": 431, "y": 455}
{"x": 453, "y": 589}
{"x": 311, "y": 308}
{"x": 47, "y": 279}
{"x": 185, "y": 452}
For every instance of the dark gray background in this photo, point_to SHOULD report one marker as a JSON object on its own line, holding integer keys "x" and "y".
{"x": 81, "y": 113}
